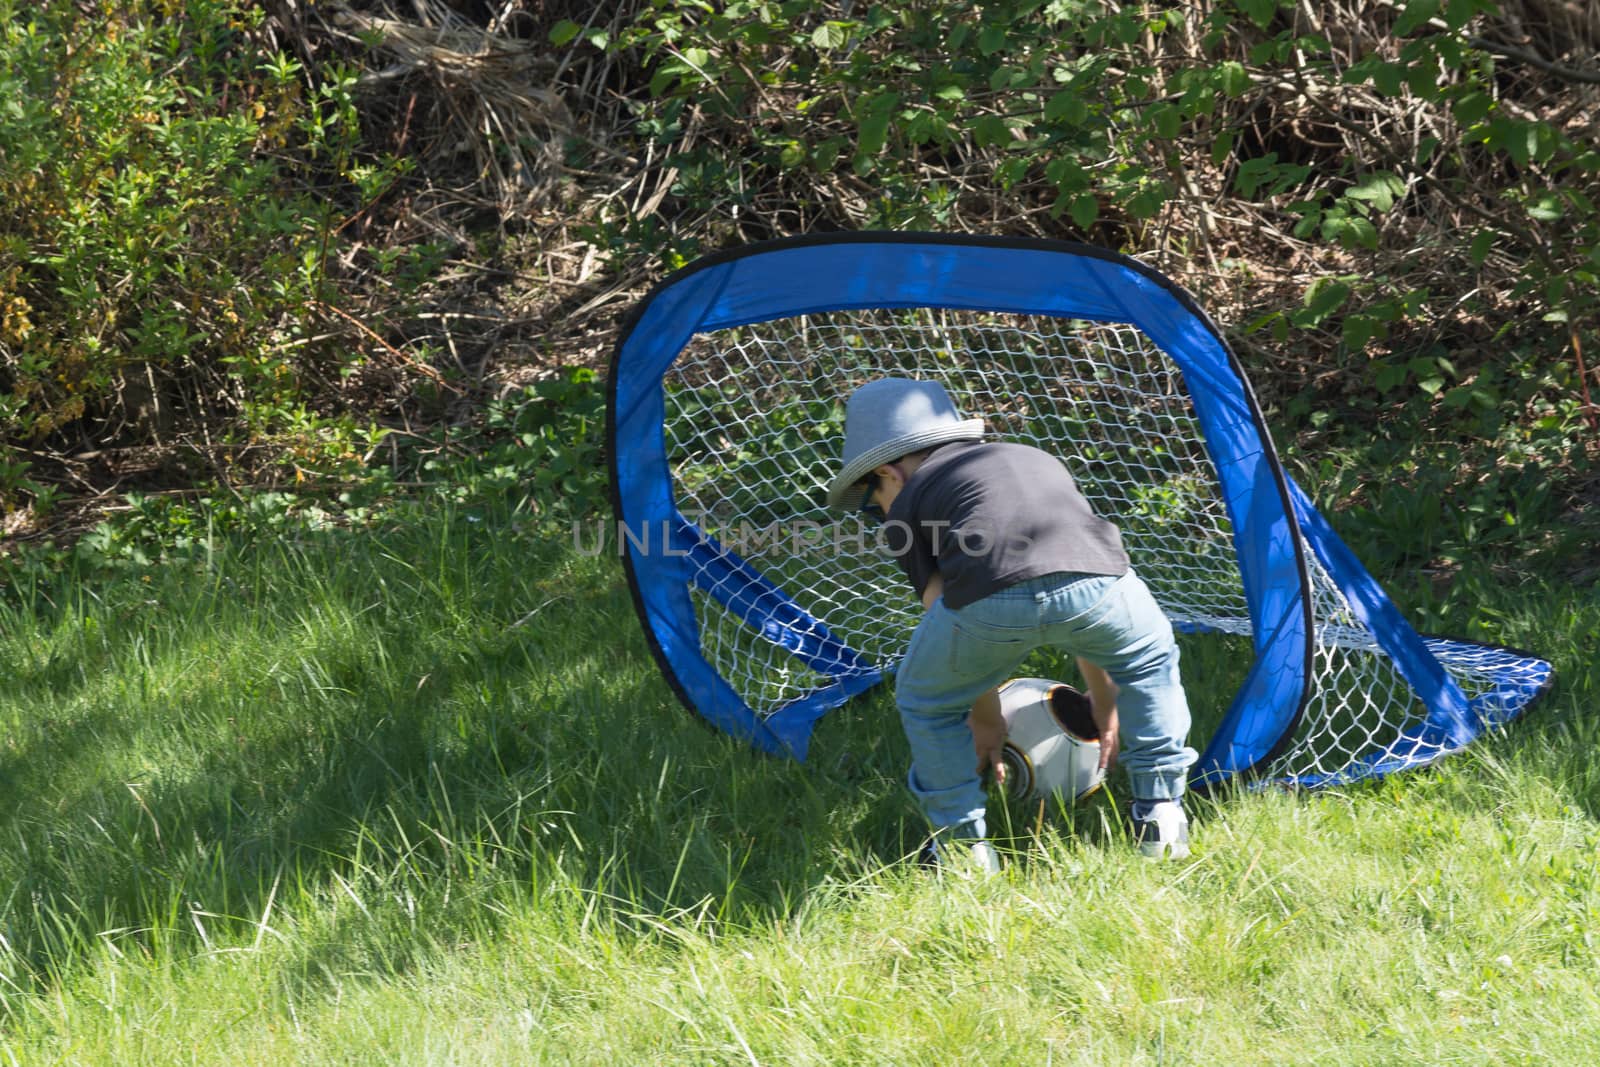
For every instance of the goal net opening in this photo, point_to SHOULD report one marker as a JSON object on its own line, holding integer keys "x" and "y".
{"x": 766, "y": 610}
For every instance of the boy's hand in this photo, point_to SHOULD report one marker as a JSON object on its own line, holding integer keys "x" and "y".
{"x": 1103, "y": 707}
{"x": 989, "y": 735}
{"x": 1105, "y": 717}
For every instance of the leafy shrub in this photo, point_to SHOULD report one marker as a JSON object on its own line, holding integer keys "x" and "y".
{"x": 534, "y": 461}
{"x": 171, "y": 198}
{"x": 543, "y": 445}
{"x": 1369, "y": 185}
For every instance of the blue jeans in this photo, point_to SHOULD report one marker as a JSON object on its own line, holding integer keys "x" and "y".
{"x": 956, "y": 656}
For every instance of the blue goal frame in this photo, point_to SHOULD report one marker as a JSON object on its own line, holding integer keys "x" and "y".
{"x": 1273, "y": 520}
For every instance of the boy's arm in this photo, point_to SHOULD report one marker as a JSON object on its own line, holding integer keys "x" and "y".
{"x": 1103, "y": 705}
{"x": 989, "y": 735}
{"x": 987, "y": 724}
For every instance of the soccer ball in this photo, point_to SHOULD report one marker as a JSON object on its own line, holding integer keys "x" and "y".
{"x": 1052, "y": 743}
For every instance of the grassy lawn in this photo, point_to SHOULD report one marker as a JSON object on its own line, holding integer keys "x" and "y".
{"x": 417, "y": 794}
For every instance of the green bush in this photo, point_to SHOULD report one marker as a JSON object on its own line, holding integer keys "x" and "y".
{"x": 171, "y": 197}
{"x": 1391, "y": 209}
{"x": 1399, "y": 198}
{"x": 542, "y": 446}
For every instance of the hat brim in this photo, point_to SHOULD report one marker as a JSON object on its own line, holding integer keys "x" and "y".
{"x": 843, "y": 494}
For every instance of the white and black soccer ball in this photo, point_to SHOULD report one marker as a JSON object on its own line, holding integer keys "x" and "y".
{"x": 1052, "y": 743}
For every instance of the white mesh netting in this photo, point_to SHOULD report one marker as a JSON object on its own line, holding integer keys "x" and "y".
{"x": 1360, "y": 713}
{"x": 753, "y": 426}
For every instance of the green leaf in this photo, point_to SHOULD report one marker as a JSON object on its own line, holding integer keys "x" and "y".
{"x": 991, "y": 129}
{"x": 1167, "y": 120}
{"x": 1387, "y": 75}
{"x": 1351, "y": 231}
{"x": 873, "y": 126}
{"x": 1222, "y": 148}
{"x": 832, "y": 34}
{"x": 1324, "y": 296}
{"x": 1472, "y": 107}
{"x": 1232, "y": 78}
{"x": 563, "y": 32}
{"x": 1427, "y": 367}
{"x": 1005, "y": 77}
{"x": 1547, "y": 208}
{"x": 1482, "y": 242}
{"x": 924, "y": 127}
{"x": 825, "y": 156}
{"x": 1457, "y": 13}
{"x": 1310, "y": 220}
{"x": 1147, "y": 201}
{"x": 1390, "y": 377}
{"x": 1254, "y": 173}
{"x": 1084, "y": 210}
{"x": 1524, "y": 142}
{"x": 1125, "y": 27}
{"x": 1068, "y": 107}
{"x": 1545, "y": 141}
{"x": 1066, "y": 174}
{"x": 1423, "y": 79}
{"x": 1416, "y": 13}
{"x": 663, "y": 79}
{"x": 1378, "y": 189}
{"x": 1260, "y": 12}
{"x": 1010, "y": 172}
{"x": 950, "y": 92}
{"x": 991, "y": 39}
{"x": 1265, "y": 54}
{"x": 1526, "y": 146}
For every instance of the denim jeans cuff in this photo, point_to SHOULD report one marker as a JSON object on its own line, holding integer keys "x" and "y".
{"x": 966, "y": 830}
{"x": 1153, "y": 789}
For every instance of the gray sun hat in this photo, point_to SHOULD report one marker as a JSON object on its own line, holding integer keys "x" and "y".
{"x": 888, "y": 418}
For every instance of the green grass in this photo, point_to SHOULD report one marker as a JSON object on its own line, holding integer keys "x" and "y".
{"x": 416, "y": 794}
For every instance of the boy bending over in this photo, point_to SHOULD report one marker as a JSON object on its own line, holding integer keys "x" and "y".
{"x": 1007, "y": 556}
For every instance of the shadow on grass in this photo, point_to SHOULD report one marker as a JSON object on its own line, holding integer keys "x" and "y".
{"x": 385, "y": 740}
{"x": 381, "y": 741}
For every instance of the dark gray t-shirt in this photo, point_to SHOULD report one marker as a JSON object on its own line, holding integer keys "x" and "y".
{"x": 987, "y": 515}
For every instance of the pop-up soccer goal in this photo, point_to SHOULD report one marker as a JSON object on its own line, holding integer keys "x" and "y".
{"x": 765, "y": 610}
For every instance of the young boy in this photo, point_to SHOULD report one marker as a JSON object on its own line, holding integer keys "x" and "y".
{"x": 1007, "y": 556}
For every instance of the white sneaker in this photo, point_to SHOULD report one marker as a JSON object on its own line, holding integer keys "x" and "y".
{"x": 982, "y": 857}
{"x": 1161, "y": 829}
{"x": 966, "y": 856}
